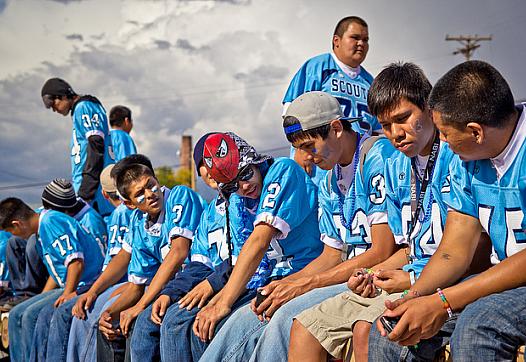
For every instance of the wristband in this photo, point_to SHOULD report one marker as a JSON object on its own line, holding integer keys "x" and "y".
{"x": 412, "y": 277}
{"x": 447, "y": 307}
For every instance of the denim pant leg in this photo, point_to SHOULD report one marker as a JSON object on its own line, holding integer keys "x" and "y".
{"x": 382, "y": 349}
{"x": 82, "y": 343}
{"x": 110, "y": 351}
{"x": 40, "y": 335}
{"x": 21, "y": 340}
{"x": 237, "y": 338}
{"x": 57, "y": 342}
{"x": 273, "y": 344}
{"x": 36, "y": 272}
{"x": 491, "y": 328}
{"x": 15, "y": 252}
{"x": 145, "y": 340}
{"x": 176, "y": 332}
{"x": 198, "y": 347}
{"x": 17, "y": 329}
{"x": 27, "y": 272}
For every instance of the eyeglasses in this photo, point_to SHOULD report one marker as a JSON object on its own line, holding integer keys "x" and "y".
{"x": 49, "y": 100}
{"x": 142, "y": 198}
{"x": 244, "y": 174}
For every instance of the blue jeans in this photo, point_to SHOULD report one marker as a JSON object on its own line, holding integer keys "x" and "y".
{"x": 27, "y": 272}
{"x": 178, "y": 342}
{"x": 245, "y": 337}
{"x": 22, "y": 322}
{"x": 382, "y": 349}
{"x": 40, "y": 335}
{"x": 145, "y": 341}
{"x": 82, "y": 343}
{"x": 491, "y": 328}
{"x": 51, "y": 332}
{"x": 57, "y": 342}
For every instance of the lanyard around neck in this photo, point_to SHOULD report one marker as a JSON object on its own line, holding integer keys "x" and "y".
{"x": 417, "y": 204}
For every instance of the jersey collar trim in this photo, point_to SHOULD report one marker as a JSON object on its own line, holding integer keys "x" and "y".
{"x": 503, "y": 161}
{"x": 81, "y": 213}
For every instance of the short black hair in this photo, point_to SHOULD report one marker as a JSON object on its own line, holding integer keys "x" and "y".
{"x": 321, "y": 131}
{"x": 473, "y": 91}
{"x": 13, "y": 209}
{"x": 344, "y": 23}
{"x": 118, "y": 114}
{"x": 396, "y": 82}
{"x": 137, "y": 158}
{"x": 131, "y": 173}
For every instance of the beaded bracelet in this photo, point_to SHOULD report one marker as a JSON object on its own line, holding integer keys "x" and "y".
{"x": 447, "y": 307}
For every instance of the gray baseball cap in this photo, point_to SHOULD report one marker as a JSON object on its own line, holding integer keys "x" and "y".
{"x": 314, "y": 109}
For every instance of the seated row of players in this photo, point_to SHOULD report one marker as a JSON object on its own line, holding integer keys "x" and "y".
{"x": 379, "y": 208}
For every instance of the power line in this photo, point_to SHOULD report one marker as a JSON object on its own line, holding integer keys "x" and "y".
{"x": 41, "y": 184}
{"x": 23, "y": 186}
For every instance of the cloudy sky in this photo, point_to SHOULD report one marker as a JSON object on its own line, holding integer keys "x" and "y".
{"x": 189, "y": 67}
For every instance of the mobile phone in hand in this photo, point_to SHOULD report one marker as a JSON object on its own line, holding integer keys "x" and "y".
{"x": 260, "y": 298}
{"x": 389, "y": 323}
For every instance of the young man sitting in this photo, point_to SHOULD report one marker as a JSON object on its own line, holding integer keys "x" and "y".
{"x": 474, "y": 111}
{"x": 286, "y": 230}
{"x": 160, "y": 235}
{"x": 90, "y": 305}
{"x": 65, "y": 246}
{"x": 214, "y": 249}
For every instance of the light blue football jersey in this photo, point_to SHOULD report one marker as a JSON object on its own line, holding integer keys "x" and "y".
{"x": 363, "y": 203}
{"x": 489, "y": 191}
{"x": 209, "y": 245}
{"x": 428, "y": 230}
{"x": 289, "y": 202}
{"x": 322, "y": 73}
{"x": 151, "y": 241}
{"x": 123, "y": 144}
{"x": 89, "y": 119}
{"x": 94, "y": 224}
{"x": 63, "y": 239}
{"x": 117, "y": 229}
{"x": 4, "y": 271}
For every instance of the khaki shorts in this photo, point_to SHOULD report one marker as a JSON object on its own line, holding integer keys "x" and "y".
{"x": 331, "y": 322}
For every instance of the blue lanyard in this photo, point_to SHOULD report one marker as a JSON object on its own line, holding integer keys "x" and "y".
{"x": 341, "y": 197}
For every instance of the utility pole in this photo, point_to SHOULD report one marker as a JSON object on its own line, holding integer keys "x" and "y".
{"x": 470, "y": 44}
{"x": 185, "y": 158}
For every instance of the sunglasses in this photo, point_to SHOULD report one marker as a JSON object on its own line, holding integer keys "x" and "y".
{"x": 142, "y": 198}
{"x": 245, "y": 174}
{"x": 49, "y": 100}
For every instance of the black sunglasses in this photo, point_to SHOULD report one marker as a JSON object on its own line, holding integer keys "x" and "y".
{"x": 245, "y": 174}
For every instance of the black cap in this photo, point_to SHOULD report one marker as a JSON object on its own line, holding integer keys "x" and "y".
{"x": 57, "y": 87}
{"x": 198, "y": 151}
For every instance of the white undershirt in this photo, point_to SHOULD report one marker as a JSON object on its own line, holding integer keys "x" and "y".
{"x": 421, "y": 163}
{"x": 345, "y": 178}
{"x": 350, "y": 71}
